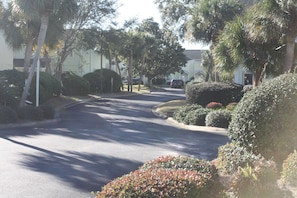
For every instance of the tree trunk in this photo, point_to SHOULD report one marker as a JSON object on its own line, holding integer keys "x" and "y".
{"x": 28, "y": 53}
{"x": 41, "y": 37}
{"x": 289, "y": 57}
{"x": 257, "y": 77}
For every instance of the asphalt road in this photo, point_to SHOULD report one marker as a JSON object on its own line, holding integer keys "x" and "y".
{"x": 92, "y": 144}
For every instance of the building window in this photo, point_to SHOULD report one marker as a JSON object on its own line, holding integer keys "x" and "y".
{"x": 248, "y": 79}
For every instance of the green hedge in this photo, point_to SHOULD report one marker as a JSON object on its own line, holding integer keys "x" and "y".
{"x": 95, "y": 79}
{"x": 206, "y": 92}
{"x": 218, "y": 118}
{"x": 7, "y": 115}
{"x": 180, "y": 114}
{"x": 264, "y": 121}
{"x": 74, "y": 85}
{"x": 167, "y": 177}
{"x": 30, "y": 113}
{"x": 231, "y": 156}
{"x": 49, "y": 87}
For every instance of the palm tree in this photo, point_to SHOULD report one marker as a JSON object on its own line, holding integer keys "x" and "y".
{"x": 42, "y": 10}
{"x": 245, "y": 42}
{"x": 283, "y": 13}
{"x": 209, "y": 18}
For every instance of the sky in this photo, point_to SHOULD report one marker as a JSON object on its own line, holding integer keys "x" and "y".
{"x": 143, "y": 9}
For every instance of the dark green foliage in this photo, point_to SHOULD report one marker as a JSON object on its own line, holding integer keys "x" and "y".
{"x": 48, "y": 111}
{"x": 196, "y": 117}
{"x": 204, "y": 93}
{"x": 232, "y": 155}
{"x": 31, "y": 113}
{"x": 74, "y": 85}
{"x": 12, "y": 83}
{"x": 218, "y": 118}
{"x": 264, "y": 121}
{"x": 9, "y": 96}
{"x": 167, "y": 177}
{"x": 49, "y": 87}
{"x": 158, "y": 81}
{"x": 180, "y": 114}
{"x": 289, "y": 172}
{"x": 94, "y": 79}
{"x": 13, "y": 78}
{"x": 259, "y": 180}
{"x": 7, "y": 115}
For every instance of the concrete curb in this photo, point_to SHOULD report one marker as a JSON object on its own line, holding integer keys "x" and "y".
{"x": 215, "y": 130}
{"x": 57, "y": 115}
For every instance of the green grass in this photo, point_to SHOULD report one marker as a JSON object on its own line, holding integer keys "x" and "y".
{"x": 169, "y": 107}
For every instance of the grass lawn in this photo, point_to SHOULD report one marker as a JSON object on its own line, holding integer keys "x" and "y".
{"x": 169, "y": 107}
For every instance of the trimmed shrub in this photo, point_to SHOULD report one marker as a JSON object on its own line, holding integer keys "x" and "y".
{"x": 264, "y": 121}
{"x": 74, "y": 85}
{"x": 289, "y": 172}
{"x": 49, "y": 87}
{"x": 231, "y": 106}
{"x": 159, "y": 183}
{"x": 94, "y": 79}
{"x": 218, "y": 118}
{"x": 14, "y": 78}
{"x": 9, "y": 96}
{"x": 257, "y": 181}
{"x": 181, "y": 163}
{"x": 7, "y": 115}
{"x": 196, "y": 117}
{"x": 204, "y": 93}
{"x": 180, "y": 114}
{"x": 31, "y": 113}
{"x": 48, "y": 111}
{"x": 247, "y": 88}
{"x": 214, "y": 105}
{"x": 231, "y": 156}
{"x": 167, "y": 176}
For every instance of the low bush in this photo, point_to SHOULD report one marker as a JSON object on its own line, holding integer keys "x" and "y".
{"x": 196, "y": 117}
{"x": 289, "y": 172}
{"x": 264, "y": 121}
{"x": 159, "y": 183}
{"x": 49, "y": 87}
{"x": 257, "y": 181}
{"x": 181, "y": 163}
{"x": 218, "y": 118}
{"x": 48, "y": 111}
{"x": 167, "y": 177}
{"x": 204, "y": 93}
{"x": 214, "y": 105}
{"x": 31, "y": 113}
{"x": 180, "y": 114}
{"x": 231, "y": 156}
{"x": 74, "y": 85}
{"x": 7, "y": 115}
{"x": 95, "y": 79}
{"x": 231, "y": 106}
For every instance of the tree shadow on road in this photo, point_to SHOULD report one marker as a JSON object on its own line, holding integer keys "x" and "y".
{"x": 74, "y": 167}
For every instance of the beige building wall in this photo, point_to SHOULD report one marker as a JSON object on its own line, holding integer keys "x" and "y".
{"x": 83, "y": 62}
{"x": 6, "y": 55}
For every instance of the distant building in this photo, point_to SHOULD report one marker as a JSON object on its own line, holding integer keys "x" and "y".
{"x": 193, "y": 68}
{"x": 6, "y": 55}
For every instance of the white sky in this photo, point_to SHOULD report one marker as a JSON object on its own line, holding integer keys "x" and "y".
{"x": 143, "y": 9}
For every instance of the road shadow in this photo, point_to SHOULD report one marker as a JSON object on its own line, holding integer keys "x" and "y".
{"x": 84, "y": 171}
